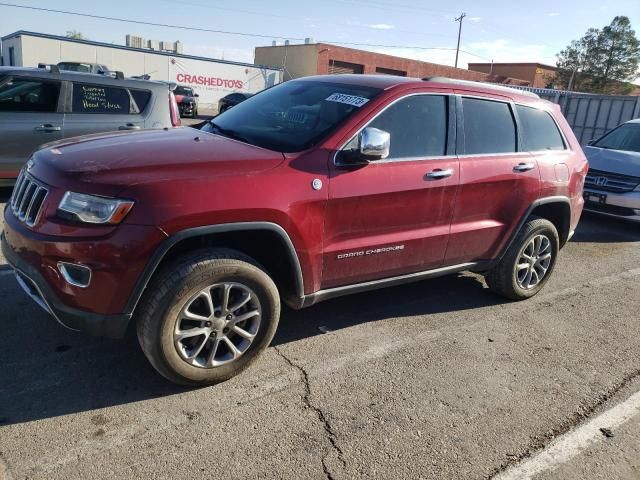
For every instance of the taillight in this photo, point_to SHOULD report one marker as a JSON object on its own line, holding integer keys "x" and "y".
{"x": 173, "y": 108}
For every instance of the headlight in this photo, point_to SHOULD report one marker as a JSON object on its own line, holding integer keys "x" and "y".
{"x": 92, "y": 209}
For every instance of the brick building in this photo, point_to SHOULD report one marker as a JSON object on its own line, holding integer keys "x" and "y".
{"x": 323, "y": 58}
{"x": 537, "y": 74}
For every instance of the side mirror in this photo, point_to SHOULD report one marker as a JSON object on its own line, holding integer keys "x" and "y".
{"x": 196, "y": 95}
{"x": 374, "y": 144}
{"x": 592, "y": 141}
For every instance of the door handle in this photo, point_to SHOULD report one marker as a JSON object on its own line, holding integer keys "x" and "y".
{"x": 47, "y": 128}
{"x": 524, "y": 167}
{"x": 129, "y": 126}
{"x": 438, "y": 173}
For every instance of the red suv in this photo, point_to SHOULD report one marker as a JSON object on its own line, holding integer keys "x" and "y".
{"x": 315, "y": 188}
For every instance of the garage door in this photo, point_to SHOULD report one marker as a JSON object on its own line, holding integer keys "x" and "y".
{"x": 336, "y": 68}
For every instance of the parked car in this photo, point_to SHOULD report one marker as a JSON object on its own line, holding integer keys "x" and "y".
{"x": 84, "y": 67}
{"x": 612, "y": 186}
{"x": 231, "y": 100}
{"x": 42, "y": 105}
{"x": 316, "y": 188}
{"x": 187, "y": 101}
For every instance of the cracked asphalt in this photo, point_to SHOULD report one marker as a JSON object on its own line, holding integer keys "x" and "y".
{"x": 439, "y": 379}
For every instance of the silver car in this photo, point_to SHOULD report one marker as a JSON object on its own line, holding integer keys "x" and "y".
{"x": 612, "y": 186}
{"x": 39, "y": 105}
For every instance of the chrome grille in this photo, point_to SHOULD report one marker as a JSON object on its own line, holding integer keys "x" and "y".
{"x": 27, "y": 199}
{"x": 611, "y": 182}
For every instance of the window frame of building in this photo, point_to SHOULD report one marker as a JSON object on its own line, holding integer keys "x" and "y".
{"x": 450, "y": 130}
{"x": 390, "y": 71}
{"x": 462, "y": 135}
{"x": 345, "y": 65}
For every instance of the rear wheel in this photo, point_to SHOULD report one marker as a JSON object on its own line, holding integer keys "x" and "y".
{"x": 528, "y": 263}
{"x": 207, "y": 317}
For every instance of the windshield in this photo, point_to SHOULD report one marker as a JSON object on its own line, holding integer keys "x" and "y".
{"x": 625, "y": 137}
{"x": 183, "y": 91}
{"x": 292, "y": 116}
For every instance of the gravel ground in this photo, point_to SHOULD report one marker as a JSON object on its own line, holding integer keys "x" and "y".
{"x": 439, "y": 379}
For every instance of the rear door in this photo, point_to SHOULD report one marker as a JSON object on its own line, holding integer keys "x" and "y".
{"x": 391, "y": 217}
{"x": 498, "y": 182}
{"x": 101, "y": 108}
{"x": 31, "y": 113}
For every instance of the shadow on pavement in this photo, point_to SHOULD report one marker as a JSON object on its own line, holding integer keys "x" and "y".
{"x": 48, "y": 371}
{"x": 595, "y": 228}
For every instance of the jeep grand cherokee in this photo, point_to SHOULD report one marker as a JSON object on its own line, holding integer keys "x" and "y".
{"x": 313, "y": 189}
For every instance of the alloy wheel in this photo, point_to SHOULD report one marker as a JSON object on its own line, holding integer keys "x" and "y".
{"x": 533, "y": 262}
{"x": 217, "y": 325}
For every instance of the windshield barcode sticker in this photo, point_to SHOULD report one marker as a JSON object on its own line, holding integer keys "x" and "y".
{"x": 348, "y": 99}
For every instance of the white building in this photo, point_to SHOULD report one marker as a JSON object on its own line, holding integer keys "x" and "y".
{"x": 210, "y": 78}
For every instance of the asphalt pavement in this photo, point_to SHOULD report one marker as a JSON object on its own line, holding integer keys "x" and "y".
{"x": 438, "y": 379}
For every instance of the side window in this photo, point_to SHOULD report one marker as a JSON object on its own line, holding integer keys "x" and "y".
{"x": 141, "y": 99}
{"x": 539, "y": 131}
{"x": 488, "y": 127}
{"x": 100, "y": 99}
{"x": 28, "y": 95}
{"x": 417, "y": 124}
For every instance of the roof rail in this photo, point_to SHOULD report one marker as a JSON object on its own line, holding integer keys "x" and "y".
{"x": 487, "y": 86}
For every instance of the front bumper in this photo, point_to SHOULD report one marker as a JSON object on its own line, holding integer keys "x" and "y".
{"x": 625, "y": 206}
{"x": 32, "y": 282}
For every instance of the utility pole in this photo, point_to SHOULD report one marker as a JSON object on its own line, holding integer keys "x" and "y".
{"x": 459, "y": 19}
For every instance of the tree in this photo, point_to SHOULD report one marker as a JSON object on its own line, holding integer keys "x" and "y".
{"x": 602, "y": 61}
{"x": 75, "y": 34}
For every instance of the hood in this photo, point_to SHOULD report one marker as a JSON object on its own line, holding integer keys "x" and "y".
{"x": 107, "y": 163}
{"x": 621, "y": 162}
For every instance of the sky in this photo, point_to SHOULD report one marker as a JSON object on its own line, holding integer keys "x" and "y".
{"x": 492, "y": 30}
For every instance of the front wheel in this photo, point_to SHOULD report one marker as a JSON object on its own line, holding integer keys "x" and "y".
{"x": 207, "y": 316}
{"x": 528, "y": 263}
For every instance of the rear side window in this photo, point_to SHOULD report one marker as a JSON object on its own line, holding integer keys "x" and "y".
{"x": 418, "y": 126}
{"x": 28, "y": 95}
{"x": 141, "y": 99}
{"x": 488, "y": 127}
{"x": 100, "y": 99}
{"x": 539, "y": 131}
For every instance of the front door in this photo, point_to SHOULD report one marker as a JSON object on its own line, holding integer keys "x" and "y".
{"x": 30, "y": 115}
{"x": 391, "y": 217}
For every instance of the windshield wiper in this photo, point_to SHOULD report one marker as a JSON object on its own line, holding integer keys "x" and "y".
{"x": 228, "y": 132}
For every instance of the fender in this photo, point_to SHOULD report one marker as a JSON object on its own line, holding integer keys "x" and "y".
{"x": 527, "y": 214}
{"x": 168, "y": 243}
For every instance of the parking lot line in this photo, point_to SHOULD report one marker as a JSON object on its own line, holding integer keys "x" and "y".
{"x": 572, "y": 443}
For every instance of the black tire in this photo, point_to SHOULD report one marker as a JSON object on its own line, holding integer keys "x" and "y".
{"x": 175, "y": 285}
{"x": 503, "y": 278}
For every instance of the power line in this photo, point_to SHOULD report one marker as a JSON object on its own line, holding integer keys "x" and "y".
{"x": 224, "y": 32}
{"x": 153, "y": 24}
